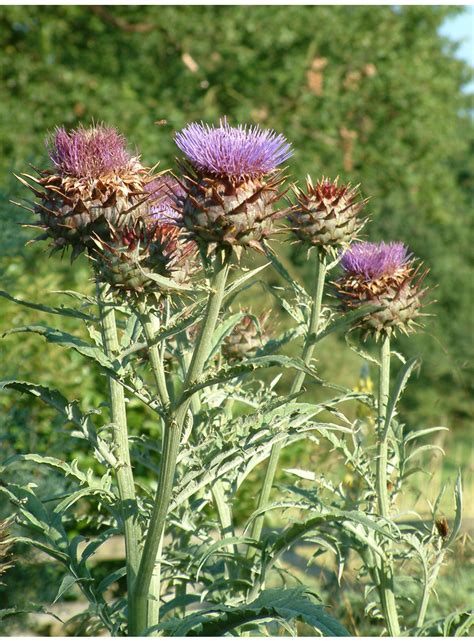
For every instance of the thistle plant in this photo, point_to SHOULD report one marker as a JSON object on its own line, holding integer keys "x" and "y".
{"x": 324, "y": 219}
{"x": 165, "y": 253}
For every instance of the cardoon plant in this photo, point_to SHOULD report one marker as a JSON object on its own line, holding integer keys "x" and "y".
{"x": 323, "y": 219}
{"x": 178, "y": 349}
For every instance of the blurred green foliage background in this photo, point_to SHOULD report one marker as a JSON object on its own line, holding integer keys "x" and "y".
{"x": 371, "y": 93}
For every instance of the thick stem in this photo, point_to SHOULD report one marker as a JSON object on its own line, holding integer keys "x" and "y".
{"x": 387, "y": 595}
{"x": 150, "y": 325}
{"x": 126, "y": 486}
{"x": 308, "y": 349}
{"x": 172, "y": 437}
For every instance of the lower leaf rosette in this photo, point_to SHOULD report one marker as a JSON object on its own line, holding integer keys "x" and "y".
{"x": 384, "y": 275}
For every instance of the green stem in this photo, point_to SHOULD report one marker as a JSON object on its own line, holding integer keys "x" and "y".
{"x": 308, "y": 349}
{"x": 171, "y": 441}
{"x": 126, "y": 486}
{"x": 387, "y": 595}
{"x": 149, "y": 327}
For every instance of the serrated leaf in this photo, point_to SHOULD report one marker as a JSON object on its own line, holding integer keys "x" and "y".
{"x": 64, "y": 339}
{"x": 394, "y": 397}
{"x": 69, "y": 410}
{"x": 272, "y": 604}
{"x": 458, "y": 515}
{"x": 346, "y": 321}
{"x": 249, "y": 365}
{"x": 111, "y": 578}
{"x": 59, "y": 311}
{"x": 222, "y": 331}
{"x": 238, "y": 282}
{"x": 66, "y": 584}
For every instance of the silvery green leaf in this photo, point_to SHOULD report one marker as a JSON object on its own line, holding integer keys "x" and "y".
{"x": 221, "y": 332}
{"x": 69, "y": 410}
{"x": 238, "y": 282}
{"x": 394, "y": 397}
{"x": 272, "y": 604}
{"x": 64, "y": 339}
{"x": 249, "y": 365}
{"x": 111, "y": 578}
{"x": 59, "y": 311}
{"x": 66, "y": 584}
{"x": 346, "y": 321}
{"x": 419, "y": 433}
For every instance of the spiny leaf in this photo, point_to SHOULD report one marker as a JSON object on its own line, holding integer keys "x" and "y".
{"x": 64, "y": 339}
{"x": 400, "y": 383}
{"x": 277, "y": 604}
{"x": 249, "y": 365}
{"x": 60, "y": 311}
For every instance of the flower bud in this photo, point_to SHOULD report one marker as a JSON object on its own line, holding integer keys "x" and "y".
{"x": 247, "y": 337}
{"x": 326, "y": 214}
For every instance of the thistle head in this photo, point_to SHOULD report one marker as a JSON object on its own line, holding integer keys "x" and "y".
{"x": 95, "y": 187}
{"x": 133, "y": 260}
{"x": 229, "y": 199}
{"x": 326, "y": 214}
{"x": 89, "y": 152}
{"x": 236, "y": 153}
{"x": 384, "y": 275}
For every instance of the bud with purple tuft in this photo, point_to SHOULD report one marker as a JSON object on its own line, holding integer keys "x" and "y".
{"x": 326, "y": 215}
{"x": 231, "y": 182}
{"x": 247, "y": 337}
{"x": 166, "y": 200}
{"x": 384, "y": 275}
{"x": 96, "y": 187}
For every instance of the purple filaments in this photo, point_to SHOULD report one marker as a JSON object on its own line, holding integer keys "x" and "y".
{"x": 167, "y": 198}
{"x": 234, "y": 152}
{"x": 375, "y": 260}
{"x": 89, "y": 152}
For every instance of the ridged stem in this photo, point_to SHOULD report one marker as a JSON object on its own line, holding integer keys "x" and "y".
{"x": 124, "y": 473}
{"x": 387, "y": 595}
{"x": 150, "y": 326}
{"x": 172, "y": 437}
{"x": 308, "y": 349}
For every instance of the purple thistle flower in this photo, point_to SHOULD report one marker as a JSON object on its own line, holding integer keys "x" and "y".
{"x": 89, "y": 152}
{"x": 233, "y": 152}
{"x": 375, "y": 260}
{"x": 167, "y": 197}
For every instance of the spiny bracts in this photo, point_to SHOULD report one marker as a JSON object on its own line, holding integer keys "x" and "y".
{"x": 385, "y": 275}
{"x": 326, "y": 215}
{"x": 147, "y": 259}
{"x": 248, "y": 336}
{"x": 96, "y": 187}
{"x": 231, "y": 183}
